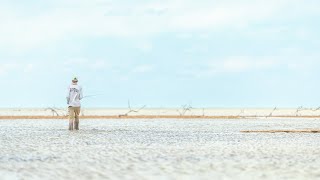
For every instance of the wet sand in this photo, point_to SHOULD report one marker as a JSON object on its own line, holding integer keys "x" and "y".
{"x": 158, "y": 149}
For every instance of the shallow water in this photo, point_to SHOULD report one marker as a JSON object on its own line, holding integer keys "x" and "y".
{"x": 158, "y": 149}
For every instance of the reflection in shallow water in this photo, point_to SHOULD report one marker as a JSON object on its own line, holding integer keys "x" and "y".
{"x": 157, "y": 149}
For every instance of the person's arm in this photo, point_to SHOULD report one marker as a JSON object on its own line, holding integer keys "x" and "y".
{"x": 81, "y": 94}
{"x": 68, "y": 95}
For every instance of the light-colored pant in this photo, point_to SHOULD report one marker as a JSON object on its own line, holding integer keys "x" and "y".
{"x": 74, "y": 113}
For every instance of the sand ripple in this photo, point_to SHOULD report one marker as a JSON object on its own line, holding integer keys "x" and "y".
{"x": 158, "y": 149}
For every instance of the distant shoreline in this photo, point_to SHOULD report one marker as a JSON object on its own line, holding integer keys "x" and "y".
{"x": 185, "y": 112}
{"x": 155, "y": 117}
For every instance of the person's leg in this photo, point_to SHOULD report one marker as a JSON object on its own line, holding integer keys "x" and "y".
{"x": 71, "y": 117}
{"x": 77, "y": 113}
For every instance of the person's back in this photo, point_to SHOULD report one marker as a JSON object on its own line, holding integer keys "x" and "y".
{"x": 73, "y": 100}
{"x": 74, "y": 95}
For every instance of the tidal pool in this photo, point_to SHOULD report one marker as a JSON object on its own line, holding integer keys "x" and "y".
{"x": 158, "y": 149}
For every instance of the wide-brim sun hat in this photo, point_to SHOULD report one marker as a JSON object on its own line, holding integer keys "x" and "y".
{"x": 75, "y": 79}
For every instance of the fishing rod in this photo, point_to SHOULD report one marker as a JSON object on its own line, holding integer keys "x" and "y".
{"x": 89, "y": 96}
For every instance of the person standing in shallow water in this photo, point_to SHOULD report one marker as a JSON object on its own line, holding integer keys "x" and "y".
{"x": 73, "y": 100}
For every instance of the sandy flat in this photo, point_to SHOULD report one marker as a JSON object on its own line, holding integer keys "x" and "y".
{"x": 158, "y": 149}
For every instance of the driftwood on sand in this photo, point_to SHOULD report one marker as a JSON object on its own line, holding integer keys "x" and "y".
{"x": 283, "y": 131}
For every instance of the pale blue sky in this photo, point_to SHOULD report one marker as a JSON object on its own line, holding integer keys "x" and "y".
{"x": 161, "y": 53}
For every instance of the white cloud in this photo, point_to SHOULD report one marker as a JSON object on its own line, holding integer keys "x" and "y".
{"x": 143, "y": 68}
{"x": 144, "y": 46}
{"x": 243, "y": 64}
{"x": 296, "y": 62}
{"x": 235, "y": 64}
{"x": 184, "y": 35}
{"x": 92, "y": 64}
{"x": 8, "y": 68}
{"x": 76, "y": 62}
{"x": 98, "y": 65}
{"x": 21, "y": 31}
{"x": 29, "y": 68}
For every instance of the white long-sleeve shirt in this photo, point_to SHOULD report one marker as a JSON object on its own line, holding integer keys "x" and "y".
{"x": 74, "y": 95}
